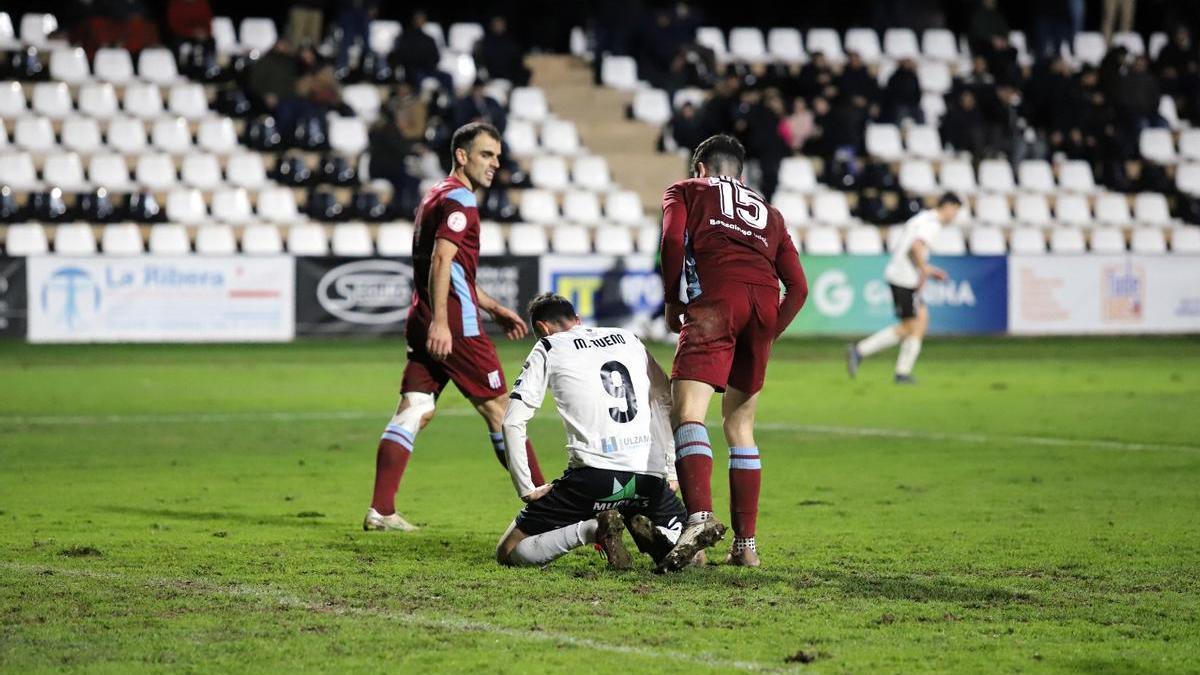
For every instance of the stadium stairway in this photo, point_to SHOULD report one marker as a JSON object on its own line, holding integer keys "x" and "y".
{"x": 599, "y": 115}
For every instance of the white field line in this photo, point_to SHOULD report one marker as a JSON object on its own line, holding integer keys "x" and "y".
{"x": 278, "y": 598}
{"x": 818, "y": 429}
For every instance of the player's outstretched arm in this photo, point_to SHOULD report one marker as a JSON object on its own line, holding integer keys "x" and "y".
{"x": 661, "y": 438}
{"x": 795, "y": 284}
{"x": 672, "y": 252}
{"x": 516, "y": 421}
{"x": 439, "y": 343}
{"x": 510, "y": 322}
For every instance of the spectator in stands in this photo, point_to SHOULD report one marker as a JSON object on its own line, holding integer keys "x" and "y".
{"x": 271, "y": 85}
{"x": 305, "y": 22}
{"x": 816, "y": 78}
{"x": 499, "y": 55}
{"x": 902, "y": 96}
{"x": 122, "y": 23}
{"x": 393, "y": 149}
{"x": 717, "y": 113}
{"x": 659, "y": 46}
{"x": 986, "y": 24}
{"x": 798, "y": 127}
{"x": 842, "y": 128}
{"x": 417, "y": 53}
{"x": 189, "y": 24}
{"x": 964, "y": 127}
{"x": 477, "y": 106}
{"x": 1140, "y": 96}
{"x": 1179, "y": 72}
{"x": 354, "y": 25}
{"x": 857, "y": 81}
{"x": 318, "y": 88}
{"x": 687, "y": 127}
{"x": 757, "y": 119}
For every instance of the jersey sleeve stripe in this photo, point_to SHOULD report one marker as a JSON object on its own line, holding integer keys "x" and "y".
{"x": 463, "y": 196}
{"x": 470, "y": 315}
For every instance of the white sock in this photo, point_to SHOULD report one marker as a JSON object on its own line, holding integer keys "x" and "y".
{"x": 542, "y": 548}
{"x": 910, "y": 349}
{"x": 881, "y": 340}
{"x": 747, "y": 544}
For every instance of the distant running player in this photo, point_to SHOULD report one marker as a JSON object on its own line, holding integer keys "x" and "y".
{"x": 614, "y": 402}
{"x": 734, "y": 251}
{"x": 446, "y": 341}
{"x": 906, "y": 272}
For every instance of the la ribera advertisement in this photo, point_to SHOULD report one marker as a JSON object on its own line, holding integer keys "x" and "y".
{"x": 160, "y": 299}
{"x": 848, "y": 295}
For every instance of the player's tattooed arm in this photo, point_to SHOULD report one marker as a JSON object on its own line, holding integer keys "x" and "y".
{"x": 510, "y": 322}
{"x": 439, "y": 343}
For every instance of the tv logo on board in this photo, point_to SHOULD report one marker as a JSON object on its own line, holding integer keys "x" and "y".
{"x": 373, "y": 292}
{"x": 70, "y": 295}
{"x": 1122, "y": 292}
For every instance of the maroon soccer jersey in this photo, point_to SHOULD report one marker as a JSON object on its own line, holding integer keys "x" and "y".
{"x": 447, "y": 212}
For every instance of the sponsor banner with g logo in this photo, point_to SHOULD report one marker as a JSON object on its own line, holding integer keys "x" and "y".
{"x": 340, "y": 296}
{"x": 848, "y": 295}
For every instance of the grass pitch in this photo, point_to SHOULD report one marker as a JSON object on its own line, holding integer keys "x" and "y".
{"x": 1030, "y": 506}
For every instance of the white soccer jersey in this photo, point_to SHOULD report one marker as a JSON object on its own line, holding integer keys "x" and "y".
{"x": 900, "y": 270}
{"x": 599, "y": 380}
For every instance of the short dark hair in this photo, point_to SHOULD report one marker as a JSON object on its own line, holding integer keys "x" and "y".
{"x": 722, "y": 154}
{"x": 465, "y": 135}
{"x": 551, "y": 307}
{"x": 948, "y": 198}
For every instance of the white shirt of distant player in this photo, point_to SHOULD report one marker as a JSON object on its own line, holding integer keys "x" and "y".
{"x": 900, "y": 270}
{"x": 600, "y": 385}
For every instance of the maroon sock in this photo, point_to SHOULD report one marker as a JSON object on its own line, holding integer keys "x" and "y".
{"x": 535, "y": 471}
{"x": 694, "y": 466}
{"x": 390, "y": 461}
{"x": 745, "y": 483}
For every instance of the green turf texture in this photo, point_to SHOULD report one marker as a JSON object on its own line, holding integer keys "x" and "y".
{"x": 159, "y": 515}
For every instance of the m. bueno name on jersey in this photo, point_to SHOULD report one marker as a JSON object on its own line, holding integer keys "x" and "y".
{"x": 606, "y": 341}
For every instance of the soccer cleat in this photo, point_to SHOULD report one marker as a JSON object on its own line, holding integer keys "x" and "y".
{"x": 905, "y": 379}
{"x": 378, "y": 522}
{"x": 695, "y": 538}
{"x": 608, "y": 538}
{"x": 746, "y": 557}
{"x": 853, "y": 358}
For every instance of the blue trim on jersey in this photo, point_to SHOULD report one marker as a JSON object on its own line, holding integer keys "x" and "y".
{"x": 463, "y": 196}
{"x": 470, "y": 315}
{"x": 690, "y": 275}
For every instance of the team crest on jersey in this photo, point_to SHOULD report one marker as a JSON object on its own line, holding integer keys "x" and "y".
{"x": 457, "y": 221}
{"x": 494, "y": 379}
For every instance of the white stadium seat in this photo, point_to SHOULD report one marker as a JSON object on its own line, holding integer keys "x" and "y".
{"x": 883, "y": 141}
{"x": 74, "y": 239}
{"x": 155, "y": 172}
{"x": 1157, "y": 145}
{"x": 257, "y": 33}
{"x": 747, "y": 44}
{"x": 1108, "y": 240}
{"x": 901, "y": 43}
{"x": 1148, "y": 240}
{"x": 171, "y": 135}
{"x": 18, "y": 173}
{"x": 520, "y": 138}
{"x": 831, "y": 208}
{"x": 188, "y": 100}
{"x": 382, "y": 35}
{"x": 1067, "y": 240}
{"x": 1027, "y": 241}
{"x": 1113, "y": 209}
{"x": 624, "y": 207}
{"x": 113, "y": 65}
{"x": 25, "y": 239}
{"x": 224, "y": 35}
{"x": 347, "y": 135}
{"x": 34, "y": 134}
{"x": 434, "y": 30}
{"x": 581, "y": 207}
{"x": 491, "y": 239}
{"x": 37, "y": 28}
{"x": 528, "y": 103}
{"x": 934, "y": 77}
{"x": 560, "y": 137}
{"x": 957, "y": 175}
{"x": 916, "y": 175}
{"x": 157, "y": 66}
{"x": 463, "y": 36}
{"x": 992, "y": 209}
{"x": 169, "y": 239}
{"x": 3, "y": 135}
{"x": 1132, "y": 42}
{"x": 924, "y": 142}
{"x": 98, "y": 100}
{"x": 1072, "y": 210}
{"x": 864, "y": 241}
{"x": 217, "y": 135}
{"x": 792, "y": 206}
{"x": 231, "y": 206}
{"x": 186, "y": 206}
{"x": 1076, "y": 176}
{"x": 933, "y": 106}
{"x": 822, "y": 241}
{"x": 939, "y": 44}
{"x": 527, "y": 239}
{"x": 1150, "y": 208}
{"x": 1189, "y": 144}
{"x": 1089, "y": 48}
{"x": 571, "y": 239}
{"x": 307, "y": 239}
{"x": 1187, "y": 178}
{"x": 394, "y": 239}
{"x": 1184, "y": 240}
{"x": 785, "y": 45}
{"x": 8, "y": 37}
{"x": 246, "y": 170}
{"x": 652, "y": 106}
{"x": 64, "y": 171}
{"x": 825, "y": 41}
{"x": 110, "y": 171}
{"x": 277, "y": 205}
{"x": 797, "y": 174}
{"x": 1035, "y": 175}
{"x": 538, "y": 206}
{"x": 714, "y": 39}
{"x": 987, "y": 241}
{"x": 69, "y": 65}
{"x": 12, "y": 100}
{"x": 215, "y": 240}
{"x": 1033, "y": 209}
{"x": 591, "y": 172}
{"x": 122, "y": 239}
{"x": 949, "y": 241}
{"x": 996, "y": 175}
{"x": 614, "y": 240}
{"x": 52, "y": 99}
{"x": 619, "y": 72}
{"x": 143, "y": 100}
{"x": 864, "y": 42}
{"x": 647, "y": 239}
{"x": 549, "y": 172}
{"x": 691, "y": 95}
{"x": 81, "y": 134}
{"x": 351, "y": 240}
{"x": 363, "y": 99}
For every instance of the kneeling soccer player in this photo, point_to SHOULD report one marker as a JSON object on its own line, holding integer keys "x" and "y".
{"x": 614, "y": 401}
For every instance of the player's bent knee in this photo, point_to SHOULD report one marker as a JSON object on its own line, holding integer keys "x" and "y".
{"x": 416, "y": 411}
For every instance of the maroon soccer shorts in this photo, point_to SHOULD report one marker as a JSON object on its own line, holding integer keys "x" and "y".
{"x": 727, "y": 336}
{"x": 472, "y": 365}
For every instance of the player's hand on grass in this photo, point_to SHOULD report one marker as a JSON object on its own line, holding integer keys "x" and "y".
{"x": 510, "y": 322}
{"x": 438, "y": 344}
{"x": 538, "y": 492}
{"x": 674, "y": 485}
{"x": 674, "y": 311}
